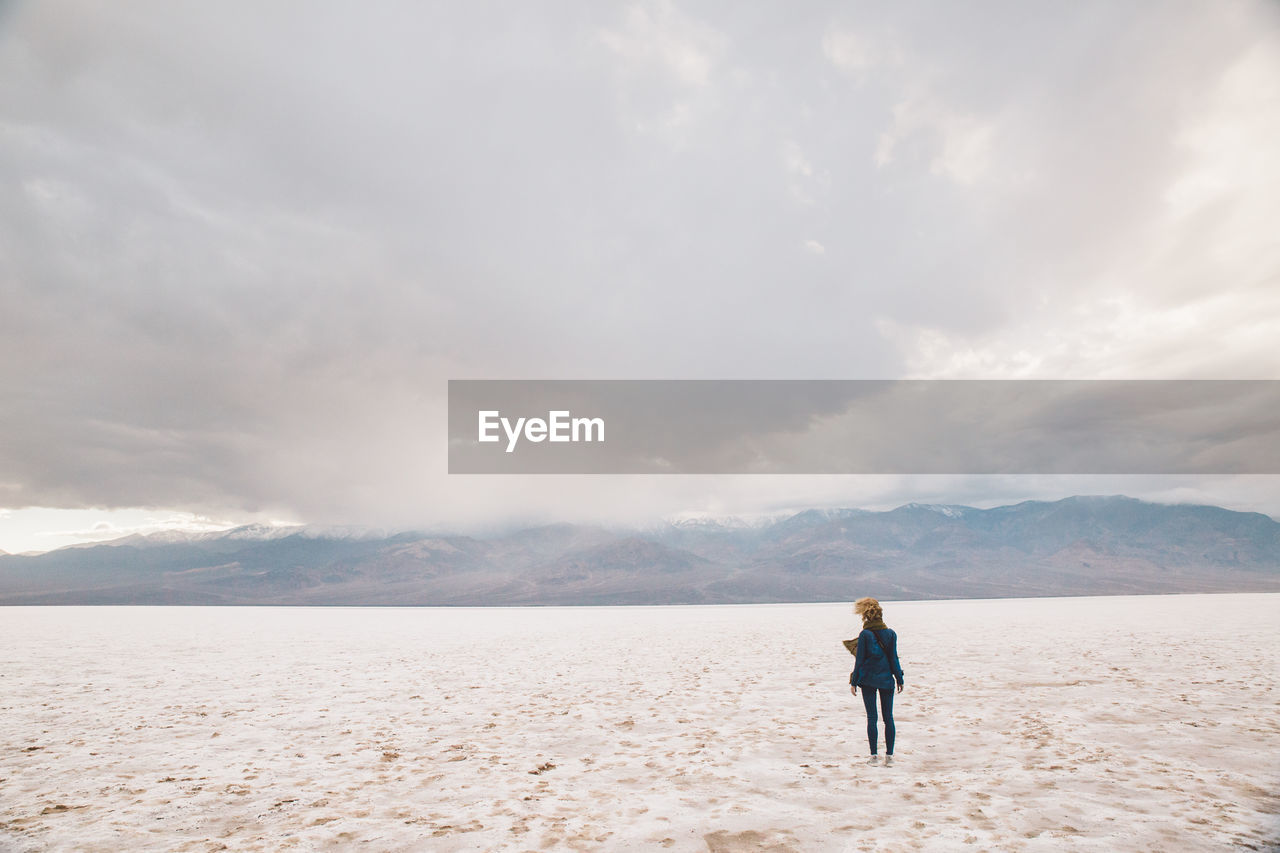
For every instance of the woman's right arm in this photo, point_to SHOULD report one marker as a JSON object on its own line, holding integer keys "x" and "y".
{"x": 897, "y": 664}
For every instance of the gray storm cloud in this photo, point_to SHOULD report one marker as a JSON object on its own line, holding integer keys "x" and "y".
{"x": 243, "y": 247}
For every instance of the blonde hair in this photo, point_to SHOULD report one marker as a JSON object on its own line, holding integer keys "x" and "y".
{"x": 869, "y": 609}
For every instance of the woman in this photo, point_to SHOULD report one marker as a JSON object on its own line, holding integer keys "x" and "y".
{"x": 875, "y": 670}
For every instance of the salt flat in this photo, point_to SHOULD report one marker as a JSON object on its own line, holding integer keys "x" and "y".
{"x": 1126, "y": 723}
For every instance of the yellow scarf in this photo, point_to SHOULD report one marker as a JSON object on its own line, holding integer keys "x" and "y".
{"x": 874, "y": 625}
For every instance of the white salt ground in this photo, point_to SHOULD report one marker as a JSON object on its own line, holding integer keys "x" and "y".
{"x": 1135, "y": 723}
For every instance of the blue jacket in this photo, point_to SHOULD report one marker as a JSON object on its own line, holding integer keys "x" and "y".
{"x": 872, "y": 668}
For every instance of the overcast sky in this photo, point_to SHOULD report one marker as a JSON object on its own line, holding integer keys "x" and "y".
{"x": 244, "y": 245}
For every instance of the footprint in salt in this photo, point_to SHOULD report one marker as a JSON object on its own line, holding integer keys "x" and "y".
{"x": 775, "y": 840}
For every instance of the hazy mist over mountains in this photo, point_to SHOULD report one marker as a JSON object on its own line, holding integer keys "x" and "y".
{"x": 1074, "y": 546}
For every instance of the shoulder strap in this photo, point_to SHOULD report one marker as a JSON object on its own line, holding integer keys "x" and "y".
{"x": 882, "y": 644}
{"x": 884, "y": 648}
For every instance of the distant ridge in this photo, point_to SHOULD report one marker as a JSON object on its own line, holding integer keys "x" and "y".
{"x": 1084, "y": 545}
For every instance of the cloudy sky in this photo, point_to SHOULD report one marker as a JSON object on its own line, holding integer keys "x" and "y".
{"x": 244, "y": 245}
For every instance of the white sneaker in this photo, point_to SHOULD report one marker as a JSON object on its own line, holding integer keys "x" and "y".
{"x": 888, "y": 759}
{"x": 875, "y": 759}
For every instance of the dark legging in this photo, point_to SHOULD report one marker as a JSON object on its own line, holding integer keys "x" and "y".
{"x": 886, "y": 705}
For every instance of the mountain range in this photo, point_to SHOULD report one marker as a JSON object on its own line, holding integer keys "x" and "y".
{"x": 1085, "y": 545}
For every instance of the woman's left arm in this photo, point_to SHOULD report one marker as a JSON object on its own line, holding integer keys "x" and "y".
{"x": 858, "y": 660}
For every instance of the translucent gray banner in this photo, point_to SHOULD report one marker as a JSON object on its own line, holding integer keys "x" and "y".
{"x": 864, "y": 426}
